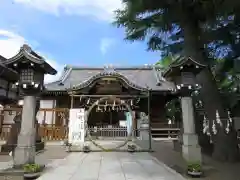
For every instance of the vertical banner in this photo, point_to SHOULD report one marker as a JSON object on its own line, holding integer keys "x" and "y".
{"x": 129, "y": 122}
{"x": 76, "y": 126}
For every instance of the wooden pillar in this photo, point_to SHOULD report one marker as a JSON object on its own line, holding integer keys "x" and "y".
{"x": 1, "y": 120}
{"x": 72, "y": 101}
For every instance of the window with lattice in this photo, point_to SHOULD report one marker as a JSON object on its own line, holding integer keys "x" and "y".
{"x": 27, "y": 75}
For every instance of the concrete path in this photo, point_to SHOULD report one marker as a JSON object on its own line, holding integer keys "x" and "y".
{"x": 109, "y": 166}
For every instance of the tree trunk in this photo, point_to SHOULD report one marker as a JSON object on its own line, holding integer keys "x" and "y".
{"x": 225, "y": 145}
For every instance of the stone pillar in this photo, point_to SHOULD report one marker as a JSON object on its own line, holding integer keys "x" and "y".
{"x": 25, "y": 150}
{"x": 144, "y": 132}
{"x": 144, "y": 127}
{"x": 190, "y": 149}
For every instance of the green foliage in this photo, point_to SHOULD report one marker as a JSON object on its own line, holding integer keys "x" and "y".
{"x": 172, "y": 107}
{"x": 159, "y": 22}
{"x": 31, "y": 168}
{"x": 194, "y": 167}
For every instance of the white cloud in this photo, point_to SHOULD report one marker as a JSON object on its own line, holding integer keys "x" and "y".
{"x": 101, "y": 9}
{"x": 10, "y": 44}
{"x": 105, "y": 44}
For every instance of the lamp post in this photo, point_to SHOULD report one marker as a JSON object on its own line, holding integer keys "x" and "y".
{"x": 183, "y": 73}
{"x": 31, "y": 68}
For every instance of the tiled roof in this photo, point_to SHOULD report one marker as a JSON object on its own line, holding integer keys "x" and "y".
{"x": 6, "y": 72}
{"x": 27, "y": 52}
{"x": 181, "y": 61}
{"x": 144, "y": 77}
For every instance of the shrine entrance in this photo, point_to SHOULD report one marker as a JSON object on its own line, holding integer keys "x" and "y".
{"x": 111, "y": 124}
{"x": 110, "y": 118}
{"x": 109, "y": 103}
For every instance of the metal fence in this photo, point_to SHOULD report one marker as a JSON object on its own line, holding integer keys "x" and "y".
{"x": 108, "y": 132}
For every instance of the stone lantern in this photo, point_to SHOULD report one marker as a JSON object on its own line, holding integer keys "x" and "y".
{"x": 183, "y": 73}
{"x": 31, "y": 68}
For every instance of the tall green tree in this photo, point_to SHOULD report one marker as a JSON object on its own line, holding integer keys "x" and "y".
{"x": 184, "y": 22}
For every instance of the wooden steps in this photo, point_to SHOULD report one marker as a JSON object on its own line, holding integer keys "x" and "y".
{"x": 170, "y": 133}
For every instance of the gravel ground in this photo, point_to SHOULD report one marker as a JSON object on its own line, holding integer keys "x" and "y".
{"x": 213, "y": 170}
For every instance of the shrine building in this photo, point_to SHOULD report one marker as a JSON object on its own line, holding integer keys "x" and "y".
{"x": 143, "y": 88}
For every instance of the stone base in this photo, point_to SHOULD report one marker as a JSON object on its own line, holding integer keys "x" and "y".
{"x": 144, "y": 135}
{"x": 23, "y": 155}
{"x": 191, "y": 151}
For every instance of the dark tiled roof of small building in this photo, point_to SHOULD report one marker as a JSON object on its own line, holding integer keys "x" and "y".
{"x": 144, "y": 77}
{"x": 27, "y": 52}
{"x": 6, "y": 72}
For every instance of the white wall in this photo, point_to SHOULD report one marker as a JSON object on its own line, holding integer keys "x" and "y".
{"x": 50, "y": 115}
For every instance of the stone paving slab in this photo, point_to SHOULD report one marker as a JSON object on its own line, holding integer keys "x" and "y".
{"x": 109, "y": 166}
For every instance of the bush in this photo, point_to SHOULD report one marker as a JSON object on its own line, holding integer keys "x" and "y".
{"x": 194, "y": 167}
{"x": 31, "y": 168}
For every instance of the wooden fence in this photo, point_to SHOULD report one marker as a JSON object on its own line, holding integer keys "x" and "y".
{"x": 53, "y": 125}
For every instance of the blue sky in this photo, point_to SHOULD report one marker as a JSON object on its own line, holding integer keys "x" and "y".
{"x": 77, "y": 32}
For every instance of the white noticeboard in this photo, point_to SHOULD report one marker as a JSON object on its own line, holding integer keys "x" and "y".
{"x": 76, "y": 126}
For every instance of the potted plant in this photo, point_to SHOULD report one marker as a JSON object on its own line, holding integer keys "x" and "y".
{"x": 131, "y": 147}
{"x": 194, "y": 169}
{"x": 86, "y": 148}
{"x": 32, "y": 171}
{"x": 67, "y": 145}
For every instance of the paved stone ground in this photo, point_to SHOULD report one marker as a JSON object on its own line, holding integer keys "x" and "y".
{"x": 163, "y": 151}
{"x": 52, "y": 152}
{"x": 109, "y": 166}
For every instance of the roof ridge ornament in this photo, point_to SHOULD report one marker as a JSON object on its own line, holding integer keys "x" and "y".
{"x": 26, "y": 48}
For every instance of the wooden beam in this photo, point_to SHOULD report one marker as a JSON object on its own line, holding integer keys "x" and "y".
{"x": 117, "y": 96}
